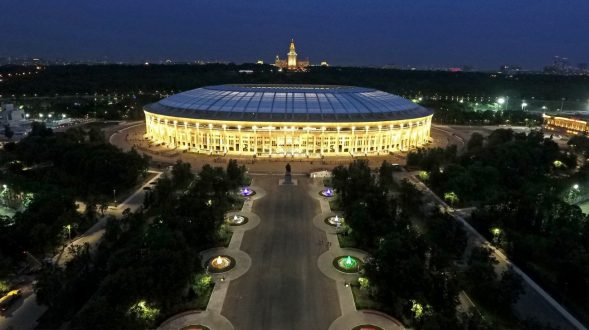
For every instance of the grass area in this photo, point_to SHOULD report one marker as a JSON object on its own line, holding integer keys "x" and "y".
{"x": 238, "y": 204}
{"x": 346, "y": 241}
{"x": 334, "y": 205}
{"x": 224, "y": 236}
{"x": 362, "y": 298}
{"x": 199, "y": 303}
{"x": 501, "y": 318}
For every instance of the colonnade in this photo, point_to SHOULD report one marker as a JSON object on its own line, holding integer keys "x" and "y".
{"x": 267, "y": 139}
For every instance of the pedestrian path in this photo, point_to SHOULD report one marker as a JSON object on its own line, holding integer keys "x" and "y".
{"x": 350, "y": 316}
{"x": 211, "y": 317}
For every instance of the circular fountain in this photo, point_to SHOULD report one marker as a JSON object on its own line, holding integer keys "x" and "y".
{"x": 335, "y": 221}
{"x": 348, "y": 264}
{"x": 220, "y": 264}
{"x": 367, "y": 327}
{"x": 246, "y": 192}
{"x": 195, "y": 327}
{"x": 327, "y": 192}
{"x": 236, "y": 220}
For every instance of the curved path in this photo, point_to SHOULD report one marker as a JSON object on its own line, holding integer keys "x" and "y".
{"x": 283, "y": 289}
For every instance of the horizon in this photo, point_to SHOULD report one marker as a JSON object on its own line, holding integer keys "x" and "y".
{"x": 426, "y": 33}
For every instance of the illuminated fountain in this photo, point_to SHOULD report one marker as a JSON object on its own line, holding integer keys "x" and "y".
{"x": 335, "y": 221}
{"x": 236, "y": 220}
{"x": 195, "y": 327}
{"x": 220, "y": 264}
{"x": 348, "y": 264}
{"x": 246, "y": 192}
{"x": 327, "y": 192}
{"x": 367, "y": 327}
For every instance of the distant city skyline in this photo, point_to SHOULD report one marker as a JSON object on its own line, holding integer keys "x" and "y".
{"x": 483, "y": 34}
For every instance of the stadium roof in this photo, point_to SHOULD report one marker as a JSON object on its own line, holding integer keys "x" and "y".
{"x": 294, "y": 103}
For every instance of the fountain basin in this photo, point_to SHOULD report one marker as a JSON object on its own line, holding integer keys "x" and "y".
{"x": 367, "y": 327}
{"x": 348, "y": 264}
{"x": 246, "y": 192}
{"x": 327, "y": 192}
{"x": 195, "y": 327}
{"x": 220, "y": 264}
{"x": 236, "y": 220}
{"x": 334, "y": 221}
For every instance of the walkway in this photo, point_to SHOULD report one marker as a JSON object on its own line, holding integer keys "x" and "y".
{"x": 535, "y": 302}
{"x": 283, "y": 289}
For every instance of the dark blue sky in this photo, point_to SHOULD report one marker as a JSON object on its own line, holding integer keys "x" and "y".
{"x": 483, "y": 33}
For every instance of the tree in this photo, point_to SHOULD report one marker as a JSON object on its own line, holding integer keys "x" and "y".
{"x": 510, "y": 288}
{"x": 235, "y": 174}
{"x": 475, "y": 143}
{"x": 181, "y": 175}
{"x": 385, "y": 175}
{"x": 8, "y": 132}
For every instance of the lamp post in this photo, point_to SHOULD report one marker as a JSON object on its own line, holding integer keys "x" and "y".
{"x": 114, "y": 196}
{"x": 501, "y": 101}
{"x": 524, "y": 105}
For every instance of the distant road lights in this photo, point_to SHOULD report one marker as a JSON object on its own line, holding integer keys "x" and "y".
{"x": 576, "y": 186}
{"x": 27, "y": 115}
{"x": 40, "y": 115}
{"x": 50, "y": 115}
{"x": 524, "y": 105}
{"x": 544, "y": 107}
{"x": 63, "y": 115}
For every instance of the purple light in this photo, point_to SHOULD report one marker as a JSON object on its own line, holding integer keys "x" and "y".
{"x": 245, "y": 191}
{"x": 327, "y": 192}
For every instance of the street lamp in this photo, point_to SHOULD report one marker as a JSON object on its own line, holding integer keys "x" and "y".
{"x": 114, "y": 195}
{"x": 524, "y": 105}
{"x": 69, "y": 231}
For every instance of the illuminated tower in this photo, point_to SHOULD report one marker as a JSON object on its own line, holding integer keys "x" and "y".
{"x": 292, "y": 56}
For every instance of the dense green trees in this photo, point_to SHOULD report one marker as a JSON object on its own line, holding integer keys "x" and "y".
{"x": 145, "y": 266}
{"x": 521, "y": 184}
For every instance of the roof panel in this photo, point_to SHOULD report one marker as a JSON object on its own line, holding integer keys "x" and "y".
{"x": 289, "y": 102}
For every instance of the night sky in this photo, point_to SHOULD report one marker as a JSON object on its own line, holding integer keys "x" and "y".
{"x": 482, "y": 33}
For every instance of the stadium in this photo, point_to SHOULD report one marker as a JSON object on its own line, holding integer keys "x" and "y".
{"x": 287, "y": 120}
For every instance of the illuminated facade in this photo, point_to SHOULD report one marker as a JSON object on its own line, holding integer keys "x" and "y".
{"x": 285, "y": 120}
{"x": 569, "y": 126}
{"x": 291, "y": 62}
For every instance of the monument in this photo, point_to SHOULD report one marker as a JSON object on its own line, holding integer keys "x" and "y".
{"x": 287, "y": 175}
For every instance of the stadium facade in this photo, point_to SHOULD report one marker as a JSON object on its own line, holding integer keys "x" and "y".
{"x": 288, "y": 120}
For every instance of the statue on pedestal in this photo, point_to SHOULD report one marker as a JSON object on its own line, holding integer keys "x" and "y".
{"x": 287, "y": 175}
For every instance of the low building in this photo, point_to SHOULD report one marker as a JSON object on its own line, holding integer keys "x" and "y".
{"x": 565, "y": 125}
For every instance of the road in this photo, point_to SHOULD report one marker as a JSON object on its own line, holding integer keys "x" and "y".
{"x": 284, "y": 289}
{"x": 24, "y": 314}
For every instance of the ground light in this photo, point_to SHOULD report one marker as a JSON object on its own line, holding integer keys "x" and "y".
{"x": 220, "y": 264}
{"x": 348, "y": 264}
{"x": 246, "y": 192}
{"x": 236, "y": 220}
{"x": 328, "y": 192}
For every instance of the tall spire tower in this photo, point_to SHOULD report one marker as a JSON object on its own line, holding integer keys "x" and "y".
{"x": 292, "y": 55}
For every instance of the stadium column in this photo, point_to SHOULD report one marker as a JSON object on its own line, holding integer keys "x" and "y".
{"x": 224, "y": 141}
{"x": 240, "y": 139}
{"x": 209, "y": 137}
{"x": 366, "y": 143}
{"x": 339, "y": 142}
{"x": 255, "y": 140}
{"x": 270, "y": 140}
{"x": 198, "y": 140}
{"x": 353, "y": 142}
